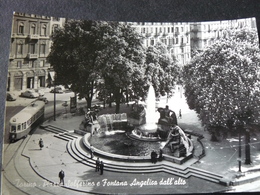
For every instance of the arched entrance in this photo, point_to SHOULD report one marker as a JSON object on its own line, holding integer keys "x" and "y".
{"x": 30, "y": 80}
{"x": 18, "y": 80}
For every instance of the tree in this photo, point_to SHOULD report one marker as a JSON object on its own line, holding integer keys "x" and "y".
{"x": 89, "y": 54}
{"x": 161, "y": 69}
{"x": 73, "y": 57}
{"x": 225, "y": 77}
{"x": 120, "y": 58}
{"x": 222, "y": 83}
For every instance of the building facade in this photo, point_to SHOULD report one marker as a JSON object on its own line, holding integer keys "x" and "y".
{"x": 30, "y": 46}
{"x": 204, "y": 34}
{"x": 176, "y": 36}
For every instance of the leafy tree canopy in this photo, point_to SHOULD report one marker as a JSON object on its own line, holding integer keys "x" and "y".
{"x": 161, "y": 69}
{"x": 85, "y": 54}
{"x": 224, "y": 79}
{"x": 109, "y": 57}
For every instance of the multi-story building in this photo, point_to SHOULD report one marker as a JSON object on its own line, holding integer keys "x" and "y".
{"x": 31, "y": 43}
{"x": 30, "y": 46}
{"x": 176, "y": 36}
{"x": 204, "y": 34}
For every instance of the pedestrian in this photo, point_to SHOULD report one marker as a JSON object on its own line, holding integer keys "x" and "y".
{"x": 61, "y": 176}
{"x": 101, "y": 167}
{"x": 41, "y": 143}
{"x": 160, "y": 155}
{"x": 91, "y": 151}
{"x": 153, "y": 156}
{"x": 97, "y": 164}
{"x": 180, "y": 115}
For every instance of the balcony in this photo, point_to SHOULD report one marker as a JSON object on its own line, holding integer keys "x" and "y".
{"x": 14, "y": 35}
{"x": 33, "y": 36}
{"x": 32, "y": 56}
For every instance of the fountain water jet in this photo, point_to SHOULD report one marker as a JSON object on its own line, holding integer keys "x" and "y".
{"x": 150, "y": 106}
{"x": 150, "y": 115}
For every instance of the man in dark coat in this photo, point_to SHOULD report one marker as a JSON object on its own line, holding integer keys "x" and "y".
{"x": 101, "y": 167}
{"x": 61, "y": 176}
{"x": 153, "y": 156}
{"x": 97, "y": 164}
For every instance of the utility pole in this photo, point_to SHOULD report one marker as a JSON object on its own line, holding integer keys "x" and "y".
{"x": 54, "y": 105}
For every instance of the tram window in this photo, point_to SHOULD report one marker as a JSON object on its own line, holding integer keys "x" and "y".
{"x": 29, "y": 122}
{"x": 24, "y": 125}
{"x": 13, "y": 128}
{"x": 18, "y": 127}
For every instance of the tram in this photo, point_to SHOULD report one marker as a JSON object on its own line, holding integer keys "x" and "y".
{"x": 25, "y": 120}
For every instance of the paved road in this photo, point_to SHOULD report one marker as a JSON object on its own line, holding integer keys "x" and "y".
{"x": 15, "y": 183}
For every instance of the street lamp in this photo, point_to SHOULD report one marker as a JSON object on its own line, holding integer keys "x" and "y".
{"x": 239, "y": 126}
{"x": 54, "y": 93}
{"x": 247, "y": 147}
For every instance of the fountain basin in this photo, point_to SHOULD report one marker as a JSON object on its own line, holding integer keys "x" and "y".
{"x": 121, "y": 154}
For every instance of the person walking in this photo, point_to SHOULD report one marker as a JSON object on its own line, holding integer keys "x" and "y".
{"x": 41, "y": 143}
{"x": 97, "y": 164}
{"x": 61, "y": 176}
{"x": 101, "y": 167}
{"x": 180, "y": 115}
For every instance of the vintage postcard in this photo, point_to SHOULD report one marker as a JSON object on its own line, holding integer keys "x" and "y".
{"x": 111, "y": 107}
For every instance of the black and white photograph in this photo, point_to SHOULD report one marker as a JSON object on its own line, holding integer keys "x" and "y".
{"x": 130, "y": 106}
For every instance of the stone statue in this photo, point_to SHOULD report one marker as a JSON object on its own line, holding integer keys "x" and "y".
{"x": 174, "y": 139}
{"x": 167, "y": 116}
{"x": 178, "y": 141}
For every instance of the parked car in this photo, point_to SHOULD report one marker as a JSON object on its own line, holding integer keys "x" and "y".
{"x": 57, "y": 90}
{"x": 30, "y": 94}
{"x": 10, "y": 97}
{"x": 44, "y": 99}
{"x": 39, "y": 91}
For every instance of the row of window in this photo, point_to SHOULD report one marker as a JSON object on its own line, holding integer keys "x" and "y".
{"x": 33, "y": 29}
{"x": 31, "y": 64}
{"x": 158, "y": 23}
{"x": 28, "y": 123}
{"x": 157, "y": 30}
{"x": 31, "y": 49}
{"x": 171, "y": 41}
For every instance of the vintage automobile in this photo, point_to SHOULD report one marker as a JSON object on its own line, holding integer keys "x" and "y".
{"x": 39, "y": 91}
{"x": 10, "y": 96}
{"x": 57, "y": 90}
{"x": 30, "y": 94}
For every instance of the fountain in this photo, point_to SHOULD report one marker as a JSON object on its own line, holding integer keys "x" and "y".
{"x": 165, "y": 130}
{"x": 149, "y": 132}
